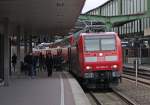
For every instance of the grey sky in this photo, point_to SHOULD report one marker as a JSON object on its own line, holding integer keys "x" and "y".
{"x": 90, "y": 4}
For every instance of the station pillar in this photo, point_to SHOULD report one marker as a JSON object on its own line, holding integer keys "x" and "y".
{"x": 25, "y": 44}
{"x": 30, "y": 43}
{"x": 148, "y": 7}
{"x": 109, "y": 26}
{"x": 1, "y": 57}
{"x": 18, "y": 46}
{"x": 6, "y": 48}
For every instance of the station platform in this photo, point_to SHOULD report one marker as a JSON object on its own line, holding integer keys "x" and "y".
{"x": 60, "y": 89}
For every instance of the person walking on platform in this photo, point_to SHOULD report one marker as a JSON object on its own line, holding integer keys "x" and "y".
{"x": 49, "y": 64}
{"x": 58, "y": 62}
{"x": 29, "y": 63}
{"x": 14, "y": 61}
{"x": 34, "y": 63}
{"x": 26, "y": 64}
{"x": 55, "y": 61}
{"x": 41, "y": 61}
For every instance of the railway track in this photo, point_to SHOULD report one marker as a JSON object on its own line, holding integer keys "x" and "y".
{"x": 112, "y": 97}
{"x": 145, "y": 74}
{"x": 115, "y": 97}
{"x": 132, "y": 78}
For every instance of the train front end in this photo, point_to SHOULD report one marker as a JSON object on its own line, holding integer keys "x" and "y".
{"x": 102, "y": 58}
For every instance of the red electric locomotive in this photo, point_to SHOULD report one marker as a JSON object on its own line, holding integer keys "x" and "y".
{"x": 96, "y": 59}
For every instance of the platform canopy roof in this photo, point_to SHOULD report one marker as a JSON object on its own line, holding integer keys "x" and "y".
{"x": 49, "y": 16}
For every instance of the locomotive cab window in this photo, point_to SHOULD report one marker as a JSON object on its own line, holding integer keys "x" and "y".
{"x": 92, "y": 45}
{"x": 100, "y": 43}
{"x": 108, "y": 44}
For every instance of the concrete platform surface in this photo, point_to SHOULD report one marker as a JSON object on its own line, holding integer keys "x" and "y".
{"x": 60, "y": 89}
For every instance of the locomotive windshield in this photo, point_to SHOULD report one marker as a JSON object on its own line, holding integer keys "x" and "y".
{"x": 100, "y": 43}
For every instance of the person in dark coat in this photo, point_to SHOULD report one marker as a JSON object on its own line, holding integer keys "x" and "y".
{"x": 55, "y": 61}
{"x": 14, "y": 61}
{"x": 41, "y": 61}
{"x": 59, "y": 60}
{"x": 28, "y": 61}
{"x": 34, "y": 63}
{"x": 26, "y": 65}
{"x": 49, "y": 63}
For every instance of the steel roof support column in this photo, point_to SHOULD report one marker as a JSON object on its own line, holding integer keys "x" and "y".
{"x": 6, "y": 52}
{"x": 109, "y": 26}
{"x": 30, "y": 43}
{"x": 18, "y": 46}
{"x": 1, "y": 57}
{"x": 148, "y": 7}
{"x": 119, "y": 7}
{"x": 25, "y": 44}
{"x": 10, "y": 73}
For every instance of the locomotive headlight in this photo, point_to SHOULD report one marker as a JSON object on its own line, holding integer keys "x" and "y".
{"x": 114, "y": 66}
{"x": 100, "y": 54}
{"x": 88, "y": 67}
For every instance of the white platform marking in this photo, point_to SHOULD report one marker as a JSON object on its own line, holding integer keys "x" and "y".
{"x": 62, "y": 91}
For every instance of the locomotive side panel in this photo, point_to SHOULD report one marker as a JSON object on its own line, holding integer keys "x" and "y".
{"x": 119, "y": 53}
{"x": 75, "y": 67}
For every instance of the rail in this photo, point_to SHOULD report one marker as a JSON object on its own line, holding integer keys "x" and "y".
{"x": 110, "y": 97}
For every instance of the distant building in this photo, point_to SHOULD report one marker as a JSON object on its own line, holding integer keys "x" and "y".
{"x": 125, "y": 7}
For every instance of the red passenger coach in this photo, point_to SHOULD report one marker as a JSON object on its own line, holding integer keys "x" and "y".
{"x": 97, "y": 59}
